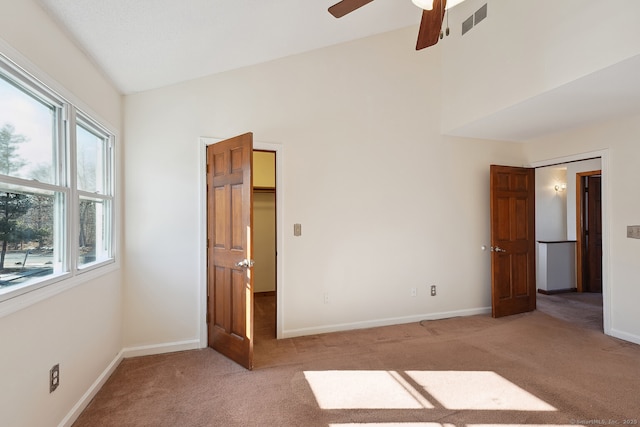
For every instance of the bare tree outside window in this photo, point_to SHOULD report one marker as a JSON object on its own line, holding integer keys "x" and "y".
{"x": 12, "y": 207}
{"x": 10, "y": 160}
{"x": 26, "y": 219}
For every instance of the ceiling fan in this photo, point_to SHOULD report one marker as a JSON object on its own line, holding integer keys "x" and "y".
{"x": 430, "y": 25}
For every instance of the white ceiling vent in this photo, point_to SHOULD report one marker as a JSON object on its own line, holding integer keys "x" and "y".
{"x": 474, "y": 19}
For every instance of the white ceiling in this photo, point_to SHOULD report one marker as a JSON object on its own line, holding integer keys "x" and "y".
{"x": 603, "y": 95}
{"x": 145, "y": 44}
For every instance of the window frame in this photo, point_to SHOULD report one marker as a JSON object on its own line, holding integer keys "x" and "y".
{"x": 68, "y": 114}
{"x": 107, "y": 196}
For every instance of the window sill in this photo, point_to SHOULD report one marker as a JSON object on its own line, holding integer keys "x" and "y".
{"x": 63, "y": 283}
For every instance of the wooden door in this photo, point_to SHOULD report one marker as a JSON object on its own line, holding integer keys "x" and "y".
{"x": 593, "y": 234}
{"x": 513, "y": 275}
{"x": 230, "y": 248}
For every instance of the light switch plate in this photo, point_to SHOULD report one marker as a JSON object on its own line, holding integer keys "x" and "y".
{"x": 297, "y": 229}
{"x": 633, "y": 231}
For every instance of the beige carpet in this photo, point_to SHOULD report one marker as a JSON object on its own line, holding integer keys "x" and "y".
{"x": 525, "y": 369}
{"x": 581, "y": 309}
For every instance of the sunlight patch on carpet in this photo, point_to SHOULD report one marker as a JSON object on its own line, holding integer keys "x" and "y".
{"x": 395, "y": 424}
{"x": 447, "y": 425}
{"x": 477, "y": 390}
{"x": 524, "y": 425}
{"x": 364, "y": 390}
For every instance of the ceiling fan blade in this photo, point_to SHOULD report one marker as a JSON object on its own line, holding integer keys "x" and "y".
{"x": 346, "y": 6}
{"x": 431, "y": 24}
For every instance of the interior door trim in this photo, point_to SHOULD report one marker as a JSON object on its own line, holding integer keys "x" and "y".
{"x": 604, "y": 156}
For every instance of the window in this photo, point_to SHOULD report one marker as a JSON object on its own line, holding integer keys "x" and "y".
{"x": 56, "y": 187}
{"x": 93, "y": 166}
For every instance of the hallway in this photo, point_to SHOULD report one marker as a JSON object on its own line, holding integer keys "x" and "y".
{"x": 582, "y": 309}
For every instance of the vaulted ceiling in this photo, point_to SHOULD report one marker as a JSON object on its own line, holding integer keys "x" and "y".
{"x": 145, "y": 44}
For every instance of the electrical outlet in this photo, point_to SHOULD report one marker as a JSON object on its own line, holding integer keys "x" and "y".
{"x": 414, "y": 292}
{"x": 433, "y": 290}
{"x": 54, "y": 378}
{"x": 326, "y": 297}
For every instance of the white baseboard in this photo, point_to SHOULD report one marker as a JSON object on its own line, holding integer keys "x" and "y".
{"x": 291, "y": 333}
{"x": 77, "y": 409}
{"x": 625, "y": 336}
{"x": 148, "y": 350}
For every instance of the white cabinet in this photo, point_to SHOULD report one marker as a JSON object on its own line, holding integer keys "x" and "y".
{"x": 556, "y": 266}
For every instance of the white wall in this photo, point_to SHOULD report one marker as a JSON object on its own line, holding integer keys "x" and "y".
{"x": 556, "y": 220}
{"x": 556, "y": 211}
{"x": 525, "y": 48}
{"x": 551, "y": 216}
{"x": 510, "y": 58}
{"x": 619, "y": 139}
{"x": 551, "y": 205}
{"x": 79, "y": 328}
{"x": 386, "y": 203}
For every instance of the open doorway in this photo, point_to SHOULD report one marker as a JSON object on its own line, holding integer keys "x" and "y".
{"x": 265, "y": 244}
{"x": 563, "y": 212}
{"x": 589, "y": 231}
{"x": 278, "y": 152}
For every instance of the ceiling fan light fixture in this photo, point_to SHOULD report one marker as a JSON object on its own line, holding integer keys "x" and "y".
{"x": 424, "y": 4}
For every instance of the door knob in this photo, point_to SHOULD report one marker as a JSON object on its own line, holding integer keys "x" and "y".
{"x": 245, "y": 263}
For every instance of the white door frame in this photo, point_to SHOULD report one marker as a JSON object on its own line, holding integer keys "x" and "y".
{"x": 606, "y": 209}
{"x": 202, "y": 232}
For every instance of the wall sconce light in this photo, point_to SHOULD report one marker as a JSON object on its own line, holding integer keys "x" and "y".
{"x": 560, "y": 187}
